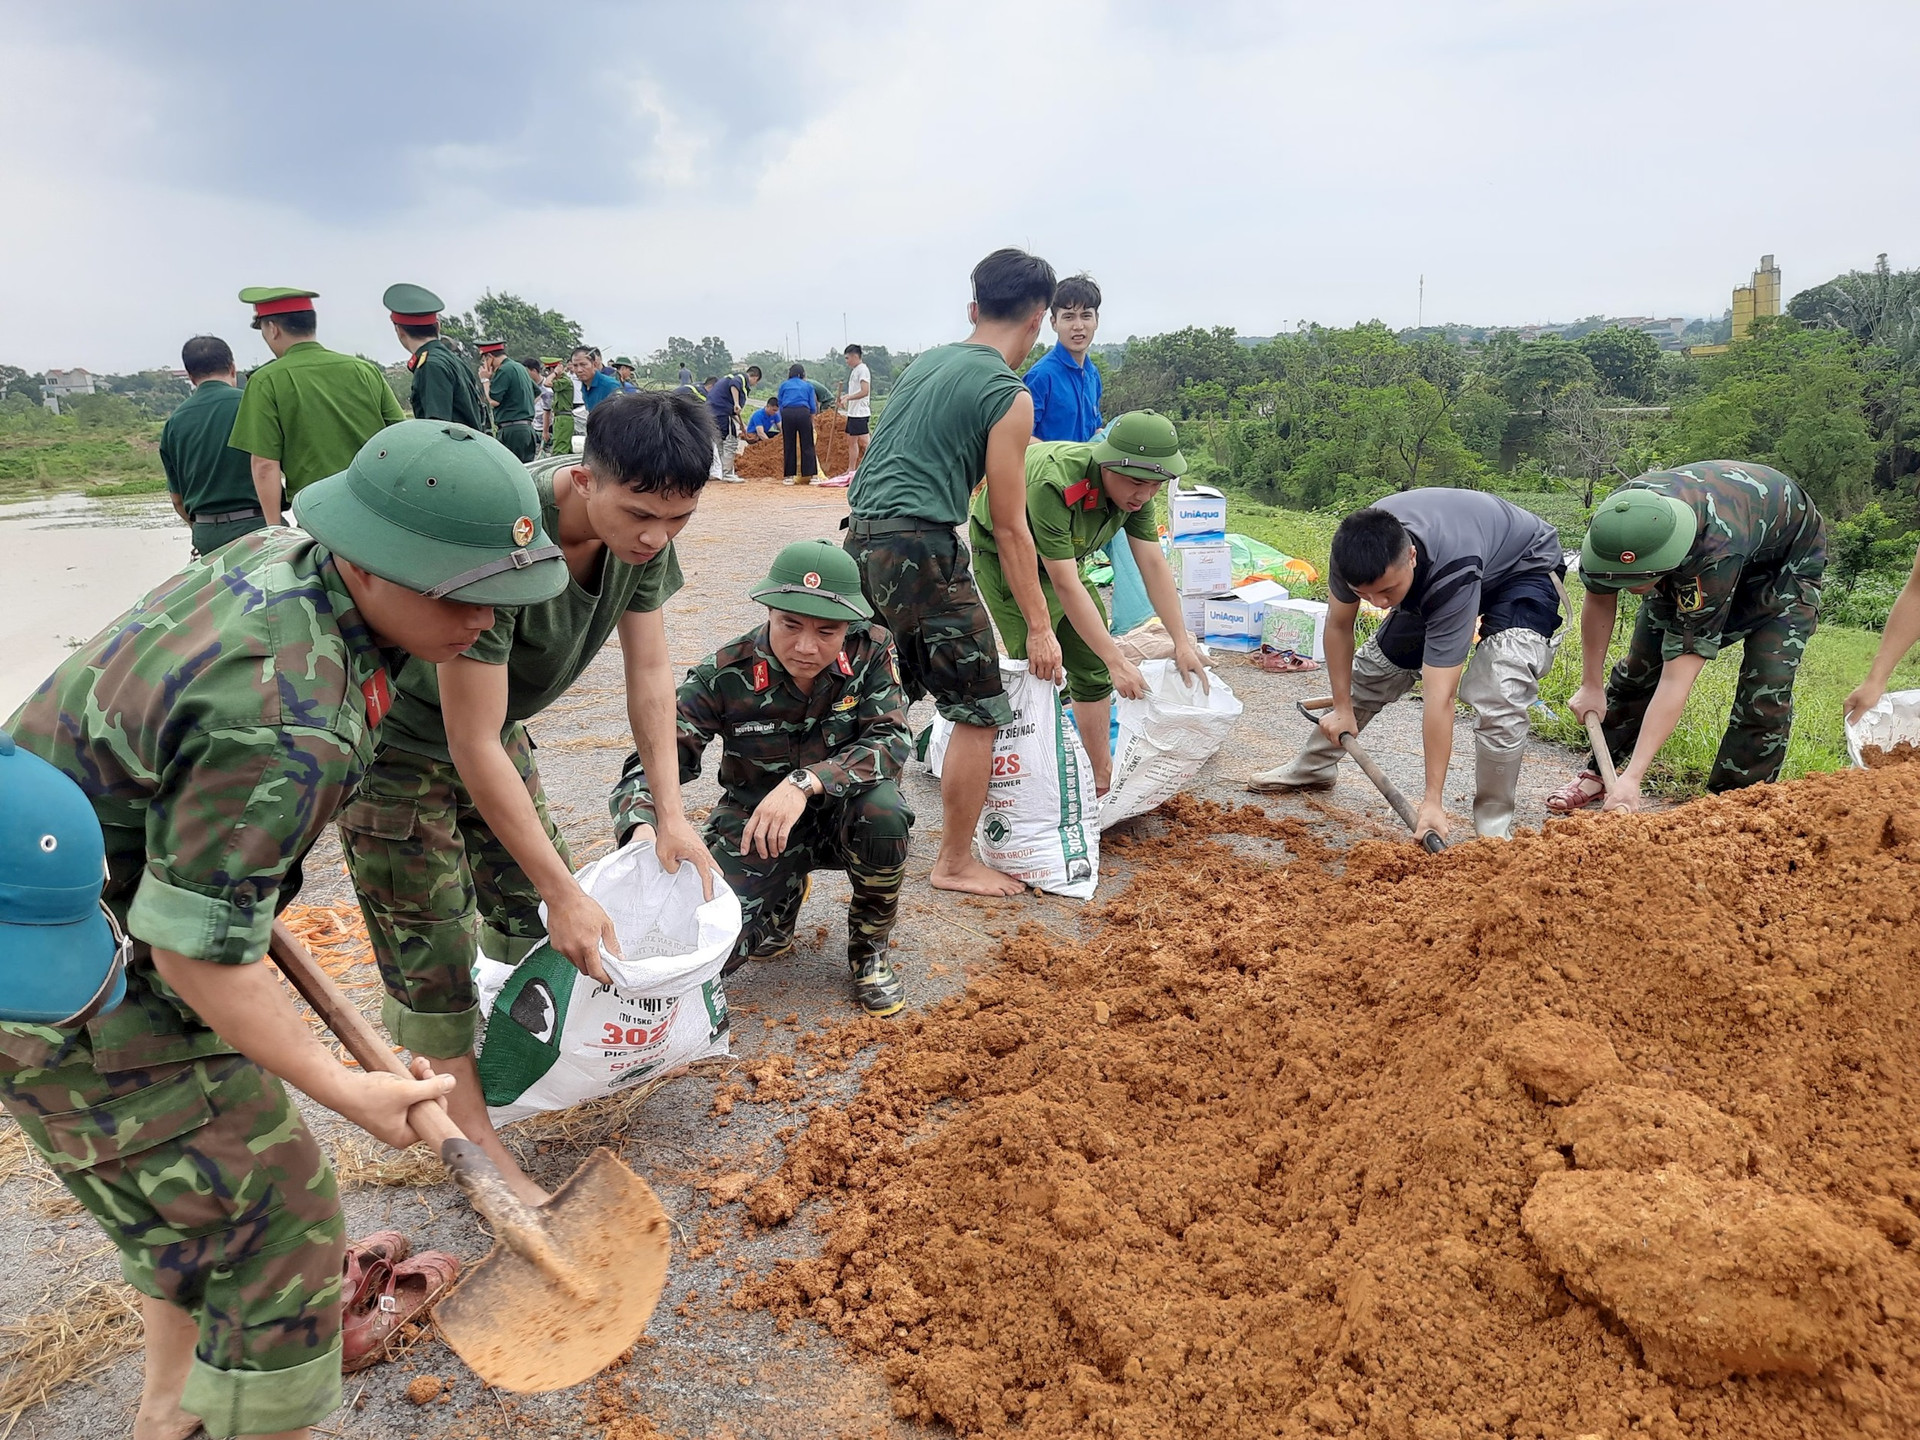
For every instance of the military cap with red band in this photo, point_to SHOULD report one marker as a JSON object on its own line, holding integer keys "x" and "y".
{"x": 412, "y": 305}
{"x": 493, "y": 347}
{"x": 271, "y": 300}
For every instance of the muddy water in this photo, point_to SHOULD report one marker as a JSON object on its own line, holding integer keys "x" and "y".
{"x": 70, "y": 565}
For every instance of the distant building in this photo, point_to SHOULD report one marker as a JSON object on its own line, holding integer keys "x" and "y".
{"x": 1758, "y": 298}
{"x": 61, "y": 383}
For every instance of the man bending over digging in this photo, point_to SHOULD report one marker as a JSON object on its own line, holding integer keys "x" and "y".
{"x": 813, "y": 729}
{"x": 1080, "y": 497}
{"x": 216, "y": 727}
{"x": 959, "y": 412}
{"x": 449, "y": 840}
{"x": 1440, "y": 560}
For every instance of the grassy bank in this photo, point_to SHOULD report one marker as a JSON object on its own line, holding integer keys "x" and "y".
{"x": 111, "y": 453}
{"x": 1836, "y": 661}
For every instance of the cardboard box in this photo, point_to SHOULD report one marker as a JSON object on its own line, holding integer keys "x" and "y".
{"x": 1202, "y": 567}
{"x": 1239, "y": 613}
{"x": 1196, "y": 514}
{"x": 1296, "y": 625}
{"x": 1193, "y": 609}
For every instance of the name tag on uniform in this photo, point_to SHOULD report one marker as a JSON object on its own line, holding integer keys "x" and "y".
{"x": 754, "y": 727}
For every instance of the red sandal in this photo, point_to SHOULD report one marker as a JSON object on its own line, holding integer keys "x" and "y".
{"x": 405, "y": 1289}
{"x": 1584, "y": 790}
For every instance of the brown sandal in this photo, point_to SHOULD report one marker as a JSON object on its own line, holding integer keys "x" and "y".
{"x": 1584, "y": 790}
{"x": 404, "y": 1291}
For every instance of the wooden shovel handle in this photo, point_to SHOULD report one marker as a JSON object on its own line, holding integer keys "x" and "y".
{"x": 430, "y": 1121}
{"x": 1601, "y": 755}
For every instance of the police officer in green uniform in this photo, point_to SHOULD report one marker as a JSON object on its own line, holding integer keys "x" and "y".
{"x": 1718, "y": 550}
{"x": 210, "y": 482}
{"x": 304, "y": 414}
{"x": 166, "y": 1116}
{"x": 444, "y": 385}
{"x": 812, "y": 722}
{"x": 511, "y": 391}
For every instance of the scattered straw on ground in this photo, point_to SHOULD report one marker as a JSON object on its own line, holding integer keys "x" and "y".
{"x": 360, "y": 1161}
{"x": 93, "y": 1324}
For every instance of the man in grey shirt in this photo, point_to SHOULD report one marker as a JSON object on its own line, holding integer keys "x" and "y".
{"x": 1441, "y": 561}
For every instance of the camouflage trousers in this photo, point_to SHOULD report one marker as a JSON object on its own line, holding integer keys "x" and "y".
{"x": 207, "y": 1181}
{"x": 438, "y": 889}
{"x": 863, "y": 834}
{"x": 1755, "y": 744}
{"x": 919, "y": 579}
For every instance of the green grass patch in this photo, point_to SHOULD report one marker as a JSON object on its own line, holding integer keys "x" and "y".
{"x": 46, "y": 454}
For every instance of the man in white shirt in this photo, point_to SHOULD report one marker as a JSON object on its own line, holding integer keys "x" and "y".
{"x": 857, "y": 405}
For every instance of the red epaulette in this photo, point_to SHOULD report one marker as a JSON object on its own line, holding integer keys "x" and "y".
{"x": 846, "y": 666}
{"x": 1083, "y": 493}
{"x": 761, "y": 677}
{"x": 413, "y": 360}
{"x": 378, "y": 695}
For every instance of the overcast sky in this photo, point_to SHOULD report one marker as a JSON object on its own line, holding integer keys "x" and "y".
{"x": 740, "y": 169}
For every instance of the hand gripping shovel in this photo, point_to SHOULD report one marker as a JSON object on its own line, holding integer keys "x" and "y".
{"x": 568, "y": 1287}
{"x": 1351, "y": 744}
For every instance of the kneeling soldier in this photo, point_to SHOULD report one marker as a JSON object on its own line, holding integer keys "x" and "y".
{"x": 215, "y": 728}
{"x": 813, "y": 727}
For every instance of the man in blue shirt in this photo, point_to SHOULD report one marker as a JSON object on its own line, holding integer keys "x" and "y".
{"x": 592, "y": 384}
{"x": 765, "y": 421}
{"x": 1065, "y": 382}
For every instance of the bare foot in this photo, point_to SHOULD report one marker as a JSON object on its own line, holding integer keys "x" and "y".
{"x": 177, "y": 1425}
{"x": 974, "y": 878}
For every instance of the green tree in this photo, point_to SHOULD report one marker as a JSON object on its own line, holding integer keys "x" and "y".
{"x": 1627, "y": 361}
{"x": 1159, "y": 367}
{"x": 1537, "y": 371}
{"x": 527, "y": 329}
{"x": 17, "y": 382}
{"x": 1863, "y": 544}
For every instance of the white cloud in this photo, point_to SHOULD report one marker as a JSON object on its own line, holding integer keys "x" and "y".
{"x": 652, "y": 173}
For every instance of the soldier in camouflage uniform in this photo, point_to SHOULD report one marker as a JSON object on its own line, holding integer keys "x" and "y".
{"x": 1719, "y": 550}
{"x": 449, "y": 839}
{"x": 813, "y": 727}
{"x": 216, "y": 728}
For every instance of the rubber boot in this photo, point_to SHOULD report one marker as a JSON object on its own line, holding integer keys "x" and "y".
{"x": 1316, "y": 766}
{"x": 1496, "y": 778}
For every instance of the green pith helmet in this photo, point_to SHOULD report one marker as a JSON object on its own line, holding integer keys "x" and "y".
{"x": 620, "y": 360}
{"x": 1638, "y": 532}
{"x": 441, "y": 509}
{"x": 1142, "y": 444}
{"x": 811, "y": 577}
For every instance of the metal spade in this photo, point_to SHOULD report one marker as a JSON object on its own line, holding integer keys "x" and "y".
{"x": 568, "y": 1286}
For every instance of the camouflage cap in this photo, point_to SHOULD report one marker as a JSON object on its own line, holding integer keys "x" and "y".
{"x": 441, "y": 509}
{"x": 62, "y": 954}
{"x": 1638, "y": 531}
{"x": 1143, "y": 445}
{"x": 811, "y": 577}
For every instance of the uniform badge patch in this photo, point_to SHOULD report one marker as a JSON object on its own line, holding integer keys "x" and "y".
{"x": 523, "y": 530}
{"x": 811, "y": 579}
{"x": 847, "y": 704}
{"x": 1689, "y": 598}
{"x": 846, "y": 665}
{"x": 378, "y": 696}
{"x": 761, "y": 679}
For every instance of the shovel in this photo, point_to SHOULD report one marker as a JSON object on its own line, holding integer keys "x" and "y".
{"x": 1351, "y": 744}
{"x": 567, "y": 1287}
{"x": 1602, "y": 757}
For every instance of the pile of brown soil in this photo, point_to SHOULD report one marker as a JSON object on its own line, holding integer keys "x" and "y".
{"x": 1874, "y": 756}
{"x": 763, "y": 461}
{"x": 1608, "y": 1129}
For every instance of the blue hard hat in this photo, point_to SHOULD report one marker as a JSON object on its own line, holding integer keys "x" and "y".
{"x": 62, "y": 954}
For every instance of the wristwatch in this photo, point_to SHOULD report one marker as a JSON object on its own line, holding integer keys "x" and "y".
{"x": 798, "y": 779}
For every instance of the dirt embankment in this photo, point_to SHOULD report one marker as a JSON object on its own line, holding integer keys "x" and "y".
{"x": 764, "y": 460}
{"x": 1604, "y": 1131}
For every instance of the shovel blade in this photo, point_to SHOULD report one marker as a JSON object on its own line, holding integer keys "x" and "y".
{"x": 518, "y": 1328}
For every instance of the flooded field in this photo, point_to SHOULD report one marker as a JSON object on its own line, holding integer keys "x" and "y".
{"x": 72, "y": 564}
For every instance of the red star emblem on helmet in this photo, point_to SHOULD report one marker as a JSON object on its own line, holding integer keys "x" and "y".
{"x": 1627, "y": 557}
{"x": 811, "y": 579}
{"x": 523, "y": 530}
